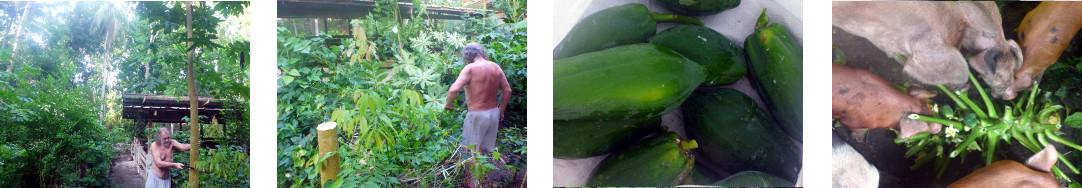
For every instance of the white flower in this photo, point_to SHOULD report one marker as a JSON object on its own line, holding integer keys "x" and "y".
{"x": 394, "y": 29}
{"x": 951, "y": 131}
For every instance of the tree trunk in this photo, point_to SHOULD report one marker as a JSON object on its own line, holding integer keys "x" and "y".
{"x": 146, "y": 75}
{"x": 193, "y": 98}
{"x": 18, "y": 31}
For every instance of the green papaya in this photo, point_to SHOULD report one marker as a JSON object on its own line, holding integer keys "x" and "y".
{"x": 658, "y": 161}
{"x": 698, "y": 7}
{"x": 614, "y": 26}
{"x": 588, "y": 138}
{"x": 776, "y": 64}
{"x": 723, "y": 59}
{"x": 635, "y": 81}
{"x": 753, "y": 179}
{"x": 735, "y": 134}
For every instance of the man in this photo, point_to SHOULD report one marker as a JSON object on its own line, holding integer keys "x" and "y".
{"x": 161, "y": 152}
{"x": 482, "y": 80}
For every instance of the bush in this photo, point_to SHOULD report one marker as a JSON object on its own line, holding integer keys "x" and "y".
{"x": 51, "y": 134}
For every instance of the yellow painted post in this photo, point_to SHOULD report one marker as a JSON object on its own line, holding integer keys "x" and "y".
{"x": 328, "y": 142}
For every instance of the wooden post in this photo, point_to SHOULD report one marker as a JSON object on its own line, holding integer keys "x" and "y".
{"x": 193, "y": 99}
{"x": 328, "y": 142}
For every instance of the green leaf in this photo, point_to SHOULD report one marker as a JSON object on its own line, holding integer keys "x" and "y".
{"x": 294, "y": 72}
{"x": 1075, "y": 120}
{"x": 287, "y": 79}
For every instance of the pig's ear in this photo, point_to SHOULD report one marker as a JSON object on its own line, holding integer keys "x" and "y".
{"x": 920, "y": 93}
{"x": 1044, "y": 160}
{"x": 1017, "y": 53}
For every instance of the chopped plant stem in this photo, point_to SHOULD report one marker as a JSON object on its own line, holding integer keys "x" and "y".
{"x": 987, "y": 102}
{"x": 921, "y": 160}
{"x": 1068, "y": 163}
{"x": 1040, "y": 139}
{"x": 952, "y": 96}
{"x": 934, "y": 120}
{"x": 912, "y": 151}
{"x": 1021, "y": 101}
{"x": 1017, "y": 134}
{"x": 972, "y": 138}
{"x": 1032, "y": 95}
{"x": 1061, "y": 140}
{"x": 1043, "y": 115}
{"x": 989, "y": 153}
{"x": 973, "y": 106}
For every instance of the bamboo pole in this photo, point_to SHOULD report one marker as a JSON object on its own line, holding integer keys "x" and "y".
{"x": 328, "y": 142}
{"x": 193, "y": 154}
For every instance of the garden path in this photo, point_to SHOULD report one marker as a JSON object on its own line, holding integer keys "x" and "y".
{"x": 124, "y": 172}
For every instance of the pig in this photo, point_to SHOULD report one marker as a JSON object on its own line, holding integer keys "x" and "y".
{"x": 849, "y": 168}
{"x": 1037, "y": 172}
{"x": 932, "y": 40}
{"x": 1044, "y": 33}
{"x": 862, "y": 100}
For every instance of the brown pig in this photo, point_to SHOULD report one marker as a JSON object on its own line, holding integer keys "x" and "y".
{"x": 863, "y": 100}
{"x": 1044, "y": 33}
{"x": 1037, "y": 172}
{"x": 933, "y": 39}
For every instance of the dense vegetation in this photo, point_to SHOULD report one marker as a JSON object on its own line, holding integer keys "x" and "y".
{"x": 385, "y": 83}
{"x": 68, "y": 63}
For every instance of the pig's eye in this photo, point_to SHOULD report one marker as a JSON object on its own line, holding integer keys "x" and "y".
{"x": 991, "y": 58}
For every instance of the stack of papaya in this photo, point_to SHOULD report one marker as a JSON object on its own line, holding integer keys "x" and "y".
{"x": 615, "y": 76}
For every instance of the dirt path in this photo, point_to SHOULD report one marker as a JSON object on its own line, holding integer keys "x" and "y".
{"x": 124, "y": 173}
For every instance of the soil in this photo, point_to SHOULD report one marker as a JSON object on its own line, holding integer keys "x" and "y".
{"x": 124, "y": 171}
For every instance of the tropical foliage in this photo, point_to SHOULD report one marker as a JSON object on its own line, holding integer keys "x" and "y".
{"x": 384, "y": 84}
{"x": 66, "y": 64}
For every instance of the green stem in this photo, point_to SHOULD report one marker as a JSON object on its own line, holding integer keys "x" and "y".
{"x": 1021, "y": 100}
{"x": 659, "y": 17}
{"x": 972, "y": 138}
{"x": 1032, "y": 96}
{"x": 942, "y": 167}
{"x": 1022, "y": 140}
{"x": 1029, "y": 138}
{"x": 974, "y": 107}
{"x": 1068, "y": 163}
{"x": 989, "y": 152}
{"x": 952, "y": 96}
{"x": 762, "y": 21}
{"x": 918, "y": 136}
{"x": 1040, "y": 138}
{"x": 922, "y": 160}
{"x": 987, "y": 102}
{"x": 1043, "y": 115}
{"x": 913, "y": 150}
{"x": 1061, "y": 140}
{"x": 688, "y": 145}
{"x": 945, "y": 123}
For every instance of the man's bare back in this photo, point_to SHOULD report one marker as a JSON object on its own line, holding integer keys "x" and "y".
{"x": 482, "y": 80}
{"x": 485, "y": 80}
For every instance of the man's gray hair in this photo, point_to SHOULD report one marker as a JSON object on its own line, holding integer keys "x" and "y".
{"x": 472, "y": 51}
{"x": 163, "y": 131}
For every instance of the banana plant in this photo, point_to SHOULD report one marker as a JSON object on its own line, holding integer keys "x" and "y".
{"x": 1028, "y": 121}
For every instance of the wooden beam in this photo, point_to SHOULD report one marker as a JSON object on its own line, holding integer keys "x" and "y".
{"x": 359, "y": 9}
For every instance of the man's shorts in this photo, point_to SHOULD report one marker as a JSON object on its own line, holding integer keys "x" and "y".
{"x": 480, "y": 129}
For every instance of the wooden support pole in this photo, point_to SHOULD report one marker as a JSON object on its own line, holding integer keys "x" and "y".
{"x": 328, "y": 142}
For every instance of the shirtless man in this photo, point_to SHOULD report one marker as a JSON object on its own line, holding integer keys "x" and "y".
{"x": 482, "y": 80}
{"x": 161, "y": 151}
